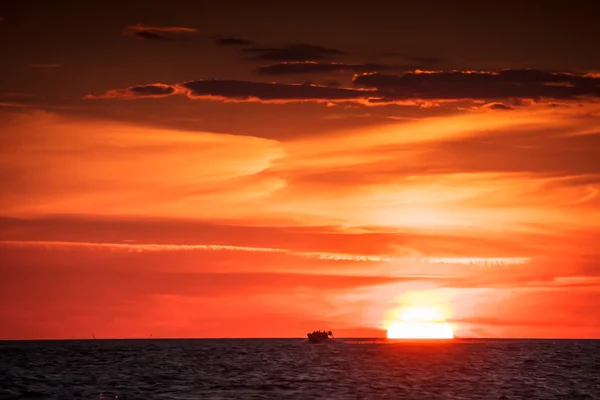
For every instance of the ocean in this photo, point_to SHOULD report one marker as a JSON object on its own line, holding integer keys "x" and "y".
{"x": 294, "y": 369}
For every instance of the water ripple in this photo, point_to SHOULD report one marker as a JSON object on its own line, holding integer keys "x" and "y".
{"x": 292, "y": 369}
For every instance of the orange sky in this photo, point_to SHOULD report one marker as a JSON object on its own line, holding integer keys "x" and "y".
{"x": 139, "y": 198}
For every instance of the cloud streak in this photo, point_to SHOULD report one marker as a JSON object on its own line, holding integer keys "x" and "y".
{"x": 150, "y": 247}
{"x": 151, "y": 32}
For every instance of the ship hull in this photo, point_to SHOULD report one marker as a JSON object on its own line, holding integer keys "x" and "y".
{"x": 314, "y": 339}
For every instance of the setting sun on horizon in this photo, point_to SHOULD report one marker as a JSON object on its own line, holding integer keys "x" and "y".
{"x": 420, "y": 322}
{"x": 420, "y": 330}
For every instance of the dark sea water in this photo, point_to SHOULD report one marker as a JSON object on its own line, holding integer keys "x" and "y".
{"x": 294, "y": 369}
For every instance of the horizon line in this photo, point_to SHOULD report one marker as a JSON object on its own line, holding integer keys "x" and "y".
{"x": 291, "y": 338}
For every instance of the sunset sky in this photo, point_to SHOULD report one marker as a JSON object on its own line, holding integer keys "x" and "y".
{"x": 265, "y": 169}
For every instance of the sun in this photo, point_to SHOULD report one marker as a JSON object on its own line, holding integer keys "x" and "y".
{"x": 420, "y": 330}
{"x": 420, "y": 323}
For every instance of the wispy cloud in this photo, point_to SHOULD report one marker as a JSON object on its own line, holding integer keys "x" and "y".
{"x": 393, "y": 175}
{"x": 150, "y": 32}
{"x": 481, "y": 261}
{"x": 150, "y": 247}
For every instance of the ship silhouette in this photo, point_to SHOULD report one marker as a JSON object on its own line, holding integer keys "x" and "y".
{"x": 319, "y": 336}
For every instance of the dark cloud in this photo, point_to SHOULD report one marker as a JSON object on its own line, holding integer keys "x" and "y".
{"x": 232, "y": 41}
{"x": 294, "y": 52}
{"x": 235, "y": 90}
{"x": 155, "y": 90}
{"x": 152, "y": 90}
{"x": 499, "y": 106}
{"x": 147, "y": 32}
{"x": 308, "y": 67}
{"x": 412, "y": 88}
{"x": 248, "y": 91}
{"x": 149, "y": 35}
{"x": 481, "y": 85}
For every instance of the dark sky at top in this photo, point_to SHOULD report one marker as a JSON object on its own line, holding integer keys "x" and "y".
{"x": 463, "y": 34}
{"x": 55, "y": 53}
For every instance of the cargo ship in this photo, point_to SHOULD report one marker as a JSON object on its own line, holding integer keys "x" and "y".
{"x": 319, "y": 336}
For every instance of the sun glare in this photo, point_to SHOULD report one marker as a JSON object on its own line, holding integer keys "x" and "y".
{"x": 420, "y": 323}
{"x": 420, "y": 330}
